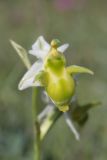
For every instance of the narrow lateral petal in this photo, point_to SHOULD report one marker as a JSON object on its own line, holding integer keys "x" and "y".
{"x": 63, "y": 48}
{"x": 29, "y": 77}
{"x": 78, "y": 69}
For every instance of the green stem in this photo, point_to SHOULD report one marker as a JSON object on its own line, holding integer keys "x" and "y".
{"x": 36, "y": 125}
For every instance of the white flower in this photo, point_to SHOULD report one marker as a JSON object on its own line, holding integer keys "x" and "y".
{"x": 40, "y": 49}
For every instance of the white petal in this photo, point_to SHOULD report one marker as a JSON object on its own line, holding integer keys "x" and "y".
{"x": 40, "y": 48}
{"x": 63, "y": 48}
{"x": 41, "y": 43}
{"x": 71, "y": 126}
{"x": 29, "y": 77}
{"x": 40, "y": 54}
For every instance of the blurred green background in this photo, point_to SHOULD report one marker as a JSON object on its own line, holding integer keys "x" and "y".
{"x": 81, "y": 23}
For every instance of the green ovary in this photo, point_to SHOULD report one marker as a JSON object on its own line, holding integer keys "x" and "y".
{"x": 61, "y": 90}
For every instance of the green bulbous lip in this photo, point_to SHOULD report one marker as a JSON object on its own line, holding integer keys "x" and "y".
{"x": 61, "y": 87}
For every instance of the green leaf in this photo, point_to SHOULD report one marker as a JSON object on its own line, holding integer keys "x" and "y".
{"x": 22, "y": 53}
{"x": 78, "y": 69}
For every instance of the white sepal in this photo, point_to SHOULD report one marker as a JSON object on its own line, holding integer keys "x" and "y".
{"x": 40, "y": 48}
{"x": 28, "y": 79}
{"x": 71, "y": 126}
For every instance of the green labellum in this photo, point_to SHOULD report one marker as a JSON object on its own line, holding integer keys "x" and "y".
{"x": 60, "y": 88}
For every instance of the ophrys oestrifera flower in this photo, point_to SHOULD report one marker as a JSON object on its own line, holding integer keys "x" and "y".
{"x": 51, "y": 72}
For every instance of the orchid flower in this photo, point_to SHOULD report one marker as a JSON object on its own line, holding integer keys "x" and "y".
{"x": 50, "y": 72}
{"x": 40, "y": 49}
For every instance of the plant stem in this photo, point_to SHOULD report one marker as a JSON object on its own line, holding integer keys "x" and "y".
{"x": 36, "y": 125}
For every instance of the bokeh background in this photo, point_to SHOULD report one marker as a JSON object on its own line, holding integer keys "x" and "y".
{"x": 81, "y": 23}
